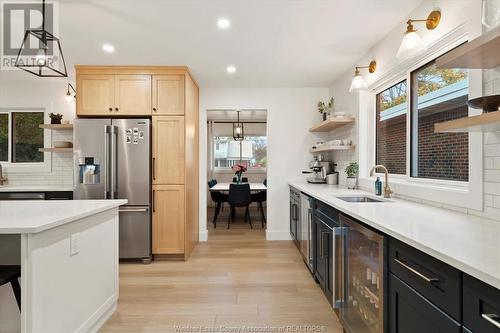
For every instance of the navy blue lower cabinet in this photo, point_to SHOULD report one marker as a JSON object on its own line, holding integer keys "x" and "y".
{"x": 410, "y": 312}
{"x": 481, "y": 306}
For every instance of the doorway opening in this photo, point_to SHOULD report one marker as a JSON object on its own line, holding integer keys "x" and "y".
{"x": 237, "y": 201}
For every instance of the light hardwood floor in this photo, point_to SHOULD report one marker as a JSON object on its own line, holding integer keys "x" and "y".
{"x": 237, "y": 278}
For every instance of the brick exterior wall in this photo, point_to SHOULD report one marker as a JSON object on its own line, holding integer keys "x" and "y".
{"x": 442, "y": 155}
{"x": 391, "y": 144}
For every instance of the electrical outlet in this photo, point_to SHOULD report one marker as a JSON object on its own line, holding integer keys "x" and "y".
{"x": 74, "y": 244}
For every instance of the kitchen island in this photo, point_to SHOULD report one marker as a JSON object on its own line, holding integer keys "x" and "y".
{"x": 68, "y": 253}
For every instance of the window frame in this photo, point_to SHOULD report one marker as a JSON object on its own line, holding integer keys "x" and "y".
{"x": 229, "y": 169}
{"x": 46, "y": 165}
{"x": 452, "y": 194}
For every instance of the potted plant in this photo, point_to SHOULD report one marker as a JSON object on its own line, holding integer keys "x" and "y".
{"x": 55, "y": 118}
{"x": 322, "y": 109}
{"x": 352, "y": 175}
{"x": 330, "y": 105}
{"x": 238, "y": 171}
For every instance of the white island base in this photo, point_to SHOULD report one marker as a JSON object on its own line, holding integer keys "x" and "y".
{"x": 69, "y": 264}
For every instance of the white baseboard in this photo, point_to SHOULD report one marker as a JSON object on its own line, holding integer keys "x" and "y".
{"x": 203, "y": 235}
{"x": 272, "y": 235}
{"x": 95, "y": 322}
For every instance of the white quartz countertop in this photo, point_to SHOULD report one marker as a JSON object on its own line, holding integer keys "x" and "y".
{"x": 35, "y": 188}
{"x": 26, "y": 216}
{"x": 470, "y": 244}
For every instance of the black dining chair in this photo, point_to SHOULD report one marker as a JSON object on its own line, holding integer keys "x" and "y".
{"x": 219, "y": 198}
{"x": 259, "y": 198}
{"x": 11, "y": 274}
{"x": 243, "y": 179}
{"x": 239, "y": 196}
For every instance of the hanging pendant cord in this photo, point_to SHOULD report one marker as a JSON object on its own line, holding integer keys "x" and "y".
{"x": 43, "y": 16}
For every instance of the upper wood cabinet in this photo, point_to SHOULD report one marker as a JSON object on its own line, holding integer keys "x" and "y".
{"x": 168, "y": 95}
{"x": 133, "y": 94}
{"x": 96, "y": 94}
{"x": 168, "y": 150}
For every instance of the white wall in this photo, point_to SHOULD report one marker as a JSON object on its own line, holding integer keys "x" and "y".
{"x": 291, "y": 111}
{"x": 455, "y": 13}
{"x": 50, "y": 95}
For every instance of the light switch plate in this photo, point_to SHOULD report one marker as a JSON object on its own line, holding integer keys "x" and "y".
{"x": 74, "y": 244}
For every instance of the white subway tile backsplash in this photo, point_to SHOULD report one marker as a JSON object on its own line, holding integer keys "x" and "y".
{"x": 488, "y": 200}
{"x": 491, "y": 137}
{"x": 492, "y": 150}
{"x": 492, "y": 176}
{"x": 489, "y": 163}
{"x": 492, "y": 188}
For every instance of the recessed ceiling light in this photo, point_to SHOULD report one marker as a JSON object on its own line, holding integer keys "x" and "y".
{"x": 230, "y": 69}
{"x": 108, "y": 48}
{"x": 223, "y": 23}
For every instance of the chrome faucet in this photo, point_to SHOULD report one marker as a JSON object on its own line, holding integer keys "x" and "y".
{"x": 2, "y": 179}
{"x": 387, "y": 189}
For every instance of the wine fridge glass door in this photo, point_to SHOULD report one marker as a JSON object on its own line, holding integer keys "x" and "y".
{"x": 363, "y": 275}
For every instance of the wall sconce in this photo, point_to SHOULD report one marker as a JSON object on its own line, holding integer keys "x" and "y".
{"x": 412, "y": 44}
{"x": 358, "y": 83}
{"x": 69, "y": 96}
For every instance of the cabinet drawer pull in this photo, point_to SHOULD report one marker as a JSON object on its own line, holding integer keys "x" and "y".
{"x": 154, "y": 109}
{"x": 491, "y": 318}
{"x": 154, "y": 201}
{"x": 116, "y": 109}
{"x": 154, "y": 168}
{"x": 417, "y": 273}
{"x": 110, "y": 109}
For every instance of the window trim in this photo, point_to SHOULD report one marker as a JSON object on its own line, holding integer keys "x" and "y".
{"x": 444, "y": 192}
{"x": 46, "y": 165}
{"x": 224, "y": 169}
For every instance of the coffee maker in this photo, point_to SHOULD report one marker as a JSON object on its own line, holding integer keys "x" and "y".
{"x": 320, "y": 169}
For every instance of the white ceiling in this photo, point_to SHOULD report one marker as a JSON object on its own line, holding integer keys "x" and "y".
{"x": 272, "y": 43}
{"x": 231, "y": 115}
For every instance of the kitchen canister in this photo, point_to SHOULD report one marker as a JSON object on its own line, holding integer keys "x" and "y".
{"x": 332, "y": 178}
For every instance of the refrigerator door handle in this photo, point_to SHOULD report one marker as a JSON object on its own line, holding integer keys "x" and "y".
{"x": 106, "y": 164}
{"x": 114, "y": 137}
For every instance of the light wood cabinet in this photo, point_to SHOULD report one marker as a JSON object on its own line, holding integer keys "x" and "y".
{"x": 168, "y": 219}
{"x": 168, "y": 95}
{"x": 96, "y": 94}
{"x": 132, "y": 95}
{"x": 168, "y": 150}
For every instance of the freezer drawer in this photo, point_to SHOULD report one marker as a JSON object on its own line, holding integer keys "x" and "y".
{"x": 135, "y": 232}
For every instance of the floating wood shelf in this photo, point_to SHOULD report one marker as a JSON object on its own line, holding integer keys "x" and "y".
{"x": 480, "y": 53}
{"x": 325, "y": 149}
{"x": 55, "y": 150}
{"x": 57, "y": 126}
{"x": 486, "y": 122}
{"x": 332, "y": 123}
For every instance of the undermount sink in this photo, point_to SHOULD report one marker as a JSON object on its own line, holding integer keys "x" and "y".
{"x": 360, "y": 199}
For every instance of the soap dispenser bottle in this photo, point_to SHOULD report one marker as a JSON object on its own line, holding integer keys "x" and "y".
{"x": 378, "y": 187}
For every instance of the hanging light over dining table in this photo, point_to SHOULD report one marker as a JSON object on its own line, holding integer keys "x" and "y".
{"x": 46, "y": 60}
{"x": 238, "y": 131}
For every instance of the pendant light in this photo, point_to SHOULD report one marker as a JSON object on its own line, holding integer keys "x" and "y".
{"x": 358, "y": 83}
{"x": 238, "y": 131}
{"x": 48, "y": 60}
{"x": 412, "y": 44}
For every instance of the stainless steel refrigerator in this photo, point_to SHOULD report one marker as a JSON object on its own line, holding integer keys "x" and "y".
{"x": 112, "y": 161}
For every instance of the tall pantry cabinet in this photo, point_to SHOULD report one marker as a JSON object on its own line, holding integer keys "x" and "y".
{"x": 169, "y": 95}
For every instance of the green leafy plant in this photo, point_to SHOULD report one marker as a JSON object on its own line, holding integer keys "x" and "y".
{"x": 56, "y": 116}
{"x": 352, "y": 169}
{"x": 330, "y": 103}
{"x": 321, "y": 107}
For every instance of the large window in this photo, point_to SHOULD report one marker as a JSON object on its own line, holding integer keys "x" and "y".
{"x": 252, "y": 151}
{"x": 438, "y": 95}
{"x": 391, "y": 128}
{"x": 21, "y": 137}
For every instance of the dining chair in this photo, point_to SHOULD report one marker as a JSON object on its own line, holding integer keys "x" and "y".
{"x": 243, "y": 179}
{"x": 259, "y": 198}
{"x": 11, "y": 274}
{"x": 219, "y": 198}
{"x": 239, "y": 196}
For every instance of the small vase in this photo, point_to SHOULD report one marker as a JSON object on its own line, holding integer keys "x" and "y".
{"x": 55, "y": 121}
{"x": 352, "y": 183}
{"x": 238, "y": 178}
{"x": 324, "y": 116}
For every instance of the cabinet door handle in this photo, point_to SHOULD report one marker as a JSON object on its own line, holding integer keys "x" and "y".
{"x": 116, "y": 109}
{"x": 110, "y": 109}
{"x": 154, "y": 168}
{"x": 154, "y": 206}
{"x": 154, "y": 109}
{"x": 417, "y": 273}
{"x": 492, "y": 318}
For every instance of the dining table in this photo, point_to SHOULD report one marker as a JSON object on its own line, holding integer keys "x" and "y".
{"x": 224, "y": 187}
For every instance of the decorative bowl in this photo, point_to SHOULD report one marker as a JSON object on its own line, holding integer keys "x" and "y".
{"x": 487, "y": 103}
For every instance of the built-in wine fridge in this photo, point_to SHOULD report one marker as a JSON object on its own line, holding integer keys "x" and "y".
{"x": 363, "y": 276}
